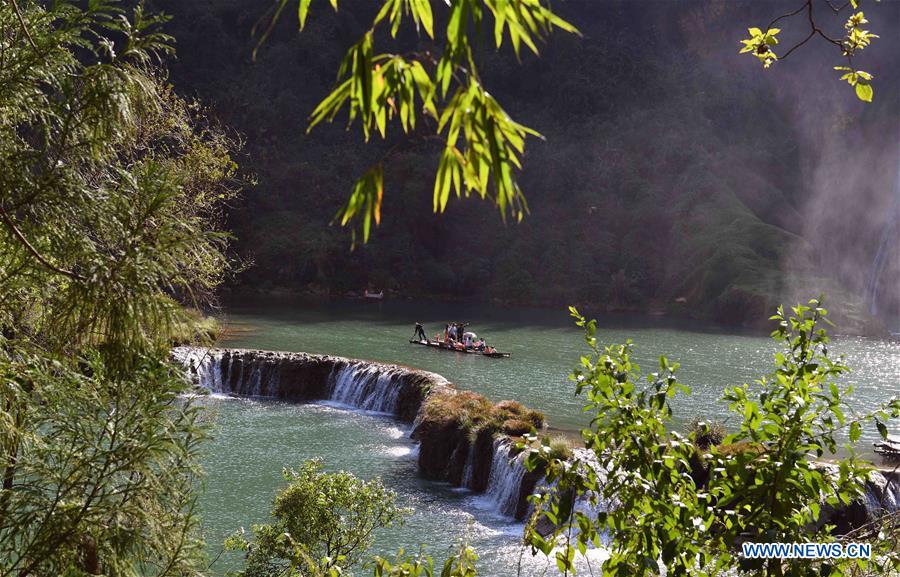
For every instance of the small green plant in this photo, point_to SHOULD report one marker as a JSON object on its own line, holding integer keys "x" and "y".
{"x": 323, "y": 523}
{"x": 560, "y": 448}
{"x": 195, "y": 328}
{"x": 557, "y": 447}
{"x": 461, "y": 563}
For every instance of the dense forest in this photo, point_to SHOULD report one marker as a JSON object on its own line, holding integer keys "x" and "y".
{"x": 716, "y": 211}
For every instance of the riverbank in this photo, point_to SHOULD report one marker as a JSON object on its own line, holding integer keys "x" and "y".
{"x": 747, "y": 316}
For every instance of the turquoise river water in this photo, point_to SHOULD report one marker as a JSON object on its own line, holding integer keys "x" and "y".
{"x": 254, "y": 440}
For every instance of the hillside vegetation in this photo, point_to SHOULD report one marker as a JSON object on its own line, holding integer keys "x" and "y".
{"x": 671, "y": 180}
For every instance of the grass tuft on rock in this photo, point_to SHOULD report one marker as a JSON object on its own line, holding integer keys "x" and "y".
{"x": 196, "y": 329}
{"x": 517, "y": 427}
{"x": 707, "y": 434}
{"x": 472, "y": 413}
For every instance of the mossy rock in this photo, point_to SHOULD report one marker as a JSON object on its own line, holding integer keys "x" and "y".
{"x": 454, "y": 425}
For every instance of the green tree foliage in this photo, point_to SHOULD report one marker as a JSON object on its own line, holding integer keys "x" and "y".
{"x": 99, "y": 468}
{"x": 686, "y": 510}
{"x": 461, "y": 563}
{"x": 111, "y": 188}
{"x": 323, "y": 523}
{"x": 482, "y": 145}
{"x": 110, "y": 183}
{"x": 761, "y": 43}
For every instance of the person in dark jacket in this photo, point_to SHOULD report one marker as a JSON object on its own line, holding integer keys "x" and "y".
{"x": 420, "y": 333}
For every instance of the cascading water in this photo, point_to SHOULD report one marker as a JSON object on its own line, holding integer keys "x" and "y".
{"x": 204, "y": 366}
{"x": 369, "y": 386}
{"x": 366, "y": 386}
{"x": 585, "y": 458}
{"x": 888, "y": 234}
{"x": 505, "y": 481}
{"x": 882, "y": 494}
{"x": 468, "y": 477}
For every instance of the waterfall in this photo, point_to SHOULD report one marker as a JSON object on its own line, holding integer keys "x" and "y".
{"x": 468, "y": 476}
{"x": 505, "y": 481}
{"x": 586, "y": 459}
{"x": 203, "y": 366}
{"x": 483, "y": 464}
{"x": 878, "y": 263}
{"x": 366, "y": 386}
{"x": 370, "y": 386}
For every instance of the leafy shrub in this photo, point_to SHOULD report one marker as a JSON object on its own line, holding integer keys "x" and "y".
{"x": 323, "y": 522}
{"x": 764, "y": 484}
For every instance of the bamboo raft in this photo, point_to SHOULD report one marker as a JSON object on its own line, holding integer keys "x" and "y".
{"x": 450, "y": 348}
{"x": 889, "y": 449}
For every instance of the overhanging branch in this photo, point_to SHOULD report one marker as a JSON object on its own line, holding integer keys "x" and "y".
{"x": 4, "y": 216}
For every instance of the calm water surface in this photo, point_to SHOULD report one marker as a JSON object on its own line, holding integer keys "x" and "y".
{"x": 255, "y": 440}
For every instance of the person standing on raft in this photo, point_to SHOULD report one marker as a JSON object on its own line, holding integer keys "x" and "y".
{"x": 420, "y": 333}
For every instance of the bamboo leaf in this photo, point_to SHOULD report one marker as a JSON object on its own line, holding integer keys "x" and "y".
{"x": 422, "y": 13}
{"x": 303, "y": 12}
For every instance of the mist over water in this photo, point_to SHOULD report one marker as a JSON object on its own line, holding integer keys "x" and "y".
{"x": 888, "y": 244}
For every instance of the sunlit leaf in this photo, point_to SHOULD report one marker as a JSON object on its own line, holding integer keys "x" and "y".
{"x": 864, "y": 91}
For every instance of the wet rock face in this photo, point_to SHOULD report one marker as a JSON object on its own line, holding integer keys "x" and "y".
{"x": 529, "y": 483}
{"x": 448, "y": 453}
{"x": 477, "y": 457}
{"x": 443, "y": 448}
{"x": 412, "y": 395}
{"x": 294, "y": 377}
{"x": 457, "y": 432}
